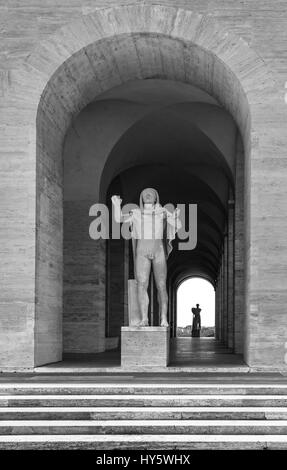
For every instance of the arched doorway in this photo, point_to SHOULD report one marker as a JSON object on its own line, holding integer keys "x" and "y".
{"x": 199, "y": 348}
{"x": 89, "y": 58}
{"x": 84, "y": 293}
{"x": 190, "y": 292}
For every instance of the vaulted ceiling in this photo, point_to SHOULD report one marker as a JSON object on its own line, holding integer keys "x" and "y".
{"x": 162, "y": 134}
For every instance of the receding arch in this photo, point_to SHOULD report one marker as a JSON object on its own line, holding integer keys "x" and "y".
{"x": 186, "y": 298}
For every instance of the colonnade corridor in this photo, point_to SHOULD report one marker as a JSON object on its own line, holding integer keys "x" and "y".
{"x": 202, "y": 352}
{"x": 187, "y": 355}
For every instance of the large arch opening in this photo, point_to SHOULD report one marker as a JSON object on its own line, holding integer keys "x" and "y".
{"x": 159, "y": 133}
{"x": 97, "y": 68}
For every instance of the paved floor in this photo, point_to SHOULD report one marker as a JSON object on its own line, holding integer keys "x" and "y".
{"x": 186, "y": 355}
{"x": 204, "y": 358}
{"x": 184, "y": 352}
{"x": 202, "y": 352}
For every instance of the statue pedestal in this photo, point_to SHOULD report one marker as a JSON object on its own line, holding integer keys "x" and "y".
{"x": 143, "y": 347}
{"x": 133, "y": 306}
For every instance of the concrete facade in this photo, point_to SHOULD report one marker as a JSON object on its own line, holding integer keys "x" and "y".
{"x": 55, "y": 60}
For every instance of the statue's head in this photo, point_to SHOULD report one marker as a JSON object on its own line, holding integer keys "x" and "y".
{"x": 149, "y": 196}
{"x": 197, "y": 305}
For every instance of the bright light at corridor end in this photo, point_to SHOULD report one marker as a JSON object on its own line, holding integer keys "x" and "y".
{"x": 191, "y": 292}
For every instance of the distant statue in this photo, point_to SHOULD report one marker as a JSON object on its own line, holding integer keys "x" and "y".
{"x": 196, "y": 323}
{"x": 152, "y": 229}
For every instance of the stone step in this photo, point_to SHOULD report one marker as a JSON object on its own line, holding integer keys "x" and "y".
{"x": 58, "y": 370}
{"x": 139, "y": 389}
{"x": 143, "y": 413}
{"x": 149, "y": 441}
{"x": 114, "y": 427}
{"x": 142, "y": 400}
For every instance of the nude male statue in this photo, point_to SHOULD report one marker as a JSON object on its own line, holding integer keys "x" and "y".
{"x": 153, "y": 228}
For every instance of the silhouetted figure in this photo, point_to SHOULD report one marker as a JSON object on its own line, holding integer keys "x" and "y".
{"x": 196, "y": 324}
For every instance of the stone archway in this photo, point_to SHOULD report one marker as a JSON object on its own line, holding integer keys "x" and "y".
{"x": 64, "y": 74}
{"x": 185, "y": 275}
{"x": 182, "y": 309}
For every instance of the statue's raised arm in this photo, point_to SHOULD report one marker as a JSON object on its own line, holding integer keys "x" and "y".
{"x": 119, "y": 216}
{"x": 117, "y": 201}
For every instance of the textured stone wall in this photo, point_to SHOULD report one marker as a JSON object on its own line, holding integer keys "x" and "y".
{"x": 116, "y": 287}
{"x": 229, "y": 314}
{"x": 230, "y": 268}
{"x": 239, "y": 256}
{"x": 262, "y": 23}
{"x": 84, "y": 282}
{"x": 17, "y": 228}
{"x": 49, "y": 258}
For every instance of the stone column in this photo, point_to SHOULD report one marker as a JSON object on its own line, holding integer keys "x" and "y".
{"x": 221, "y": 306}
{"x": 239, "y": 305}
{"x": 225, "y": 288}
{"x": 217, "y": 307}
{"x": 222, "y": 296}
{"x": 230, "y": 291}
{"x": 126, "y": 278}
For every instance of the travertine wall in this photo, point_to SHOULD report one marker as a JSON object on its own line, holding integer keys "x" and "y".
{"x": 262, "y": 23}
{"x": 116, "y": 288}
{"x": 247, "y": 81}
{"x": 84, "y": 282}
{"x": 239, "y": 304}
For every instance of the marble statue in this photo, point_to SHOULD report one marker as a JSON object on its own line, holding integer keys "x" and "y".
{"x": 196, "y": 324}
{"x": 153, "y": 228}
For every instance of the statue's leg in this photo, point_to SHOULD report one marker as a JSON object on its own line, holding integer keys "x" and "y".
{"x": 160, "y": 273}
{"x": 143, "y": 265}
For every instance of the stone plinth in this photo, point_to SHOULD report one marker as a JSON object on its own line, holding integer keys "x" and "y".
{"x": 145, "y": 346}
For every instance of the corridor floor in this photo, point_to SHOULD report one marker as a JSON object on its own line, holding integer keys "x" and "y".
{"x": 186, "y": 355}
{"x": 202, "y": 352}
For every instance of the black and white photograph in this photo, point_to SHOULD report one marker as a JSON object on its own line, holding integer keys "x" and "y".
{"x": 143, "y": 229}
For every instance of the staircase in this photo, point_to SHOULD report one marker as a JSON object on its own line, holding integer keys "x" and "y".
{"x": 143, "y": 416}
